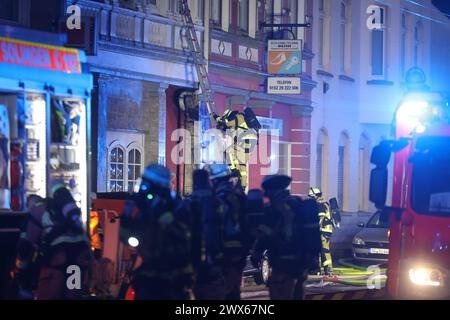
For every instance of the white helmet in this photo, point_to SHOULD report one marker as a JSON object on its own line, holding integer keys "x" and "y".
{"x": 315, "y": 193}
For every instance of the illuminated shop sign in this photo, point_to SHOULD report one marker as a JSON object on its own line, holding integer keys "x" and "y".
{"x": 37, "y": 55}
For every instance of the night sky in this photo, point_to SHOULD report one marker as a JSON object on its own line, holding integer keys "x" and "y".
{"x": 443, "y": 5}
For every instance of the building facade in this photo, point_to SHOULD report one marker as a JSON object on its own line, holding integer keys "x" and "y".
{"x": 360, "y": 74}
{"x": 141, "y": 62}
{"x": 139, "y": 58}
{"x": 238, "y": 71}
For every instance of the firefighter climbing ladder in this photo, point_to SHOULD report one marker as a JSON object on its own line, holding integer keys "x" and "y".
{"x": 200, "y": 63}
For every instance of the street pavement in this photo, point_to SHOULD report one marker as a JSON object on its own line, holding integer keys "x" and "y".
{"x": 341, "y": 251}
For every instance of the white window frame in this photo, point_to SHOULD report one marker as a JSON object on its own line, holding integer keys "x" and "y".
{"x": 127, "y": 142}
{"x": 134, "y": 146}
{"x": 116, "y": 145}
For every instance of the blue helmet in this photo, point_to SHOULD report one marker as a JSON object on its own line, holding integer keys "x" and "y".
{"x": 217, "y": 171}
{"x": 158, "y": 175}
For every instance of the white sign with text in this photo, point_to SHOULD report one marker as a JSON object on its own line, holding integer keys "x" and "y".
{"x": 283, "y": 85}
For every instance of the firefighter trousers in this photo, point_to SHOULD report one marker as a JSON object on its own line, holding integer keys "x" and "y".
{"x": 325, "y": 255}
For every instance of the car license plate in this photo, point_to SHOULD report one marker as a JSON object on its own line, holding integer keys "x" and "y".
{"x": 378, "y": 251}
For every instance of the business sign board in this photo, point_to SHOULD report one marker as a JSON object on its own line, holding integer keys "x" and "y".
{"x": 284, "y": 57}
{"x": 36, "y": 55}
{"x": 283, "y": 85}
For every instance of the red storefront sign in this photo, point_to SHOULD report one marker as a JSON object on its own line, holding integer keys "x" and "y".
{"x": 38, "y": 55}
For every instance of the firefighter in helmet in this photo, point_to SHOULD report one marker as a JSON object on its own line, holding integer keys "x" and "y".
{"x": 156, "y": 224}
{"x": 54, "y": 240}
{"x": 231, "y": 208}
{"x": 244, "y": 128}
{"x": 326, "y": 230}
{"x": 287, "y": 234}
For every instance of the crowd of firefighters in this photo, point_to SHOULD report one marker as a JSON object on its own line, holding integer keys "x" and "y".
{"x": 186, "y": 248}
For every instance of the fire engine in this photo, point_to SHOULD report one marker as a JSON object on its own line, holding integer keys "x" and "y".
{"x": 419, "y": 256}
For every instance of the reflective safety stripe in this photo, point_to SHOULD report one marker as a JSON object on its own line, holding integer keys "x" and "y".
{"x": 327, "y": 263}
{"x": 69, "y": 239}
{"x": 326, "y": 230}
{"x": 69, "y": 207}
{"x": 322, "y": 214}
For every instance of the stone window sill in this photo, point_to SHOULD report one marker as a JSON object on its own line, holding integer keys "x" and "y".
{"x": 380, "y": 82}
{"x": 346, "y": 78}
{"x": 325, "y": 73}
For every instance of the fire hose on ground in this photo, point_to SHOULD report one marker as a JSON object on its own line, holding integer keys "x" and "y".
{"x": 350, "y": 275}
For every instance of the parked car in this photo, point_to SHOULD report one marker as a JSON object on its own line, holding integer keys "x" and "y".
{"x": 260, "y": 274}
{"x": 371, "y": 244}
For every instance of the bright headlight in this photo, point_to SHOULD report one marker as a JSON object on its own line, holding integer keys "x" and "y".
{"x": 358, "y": 241}
{"x": 426, "y": 277}
{"x": 412, "y": 111}
{"x": 133, "y": 242}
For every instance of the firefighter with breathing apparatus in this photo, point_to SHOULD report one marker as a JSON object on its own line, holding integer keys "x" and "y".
{"x": 326, "y": 230}
{"x": 231, "y": 210}
{"x": 157, "y": 224}
{"x": 290, "y": 235}
{"x": 243, "y": 128}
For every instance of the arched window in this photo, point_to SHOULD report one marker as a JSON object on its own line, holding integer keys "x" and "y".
{"x": 116, "y": 172}
{"x": 124, "y": 167}
{"x": 363, "y": 175}
{"x": 321, "y": 161}
{"x": 343, "y": 162}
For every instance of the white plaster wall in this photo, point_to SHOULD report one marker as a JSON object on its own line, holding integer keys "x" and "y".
{"x": 359, "y": 107}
